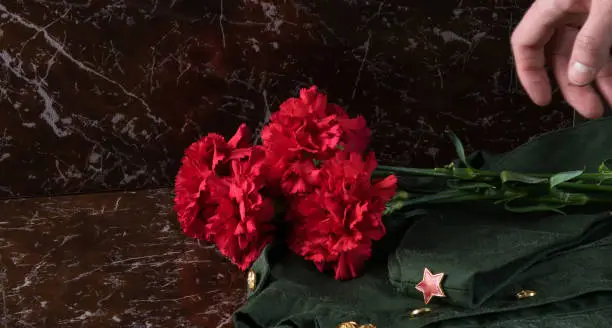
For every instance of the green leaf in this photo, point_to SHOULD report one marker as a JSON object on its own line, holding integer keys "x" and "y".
{"x": 559, "y": 178}
{"x": 459, "y": 149}
{"x": 443, "y": 196}
{"x": 463, "y": 173}
{"x": 605, "y": 169}
{"x": 454, "y": 184}
{"x": 510, "y": 197}
{"x": 570, "y": 198}
{"x": 535, "y": 208}
{"x": 401, "y": 194}
{"x": 508, "y": 176}
{"x": 605, "y": 166}
{"x": 393, "y": 206}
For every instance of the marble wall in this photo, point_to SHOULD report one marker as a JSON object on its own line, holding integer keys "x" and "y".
{"x": 105, "y": 94}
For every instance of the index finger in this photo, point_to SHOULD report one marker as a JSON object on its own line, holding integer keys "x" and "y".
{"x": 528, "y": 42}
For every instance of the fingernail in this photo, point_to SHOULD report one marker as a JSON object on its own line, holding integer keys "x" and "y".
{"x": 581, "y": 74}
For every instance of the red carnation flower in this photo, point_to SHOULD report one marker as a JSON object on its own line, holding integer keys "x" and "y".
{"x": 306, "y": 129}
{"x": 241, "y": 225}
{"x": 300, "y": 177}
{"x": 218, "y": 196}
{"x": 335, "y": 224}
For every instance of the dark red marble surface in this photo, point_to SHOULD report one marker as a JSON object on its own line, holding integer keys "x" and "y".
{"x": 105, "y": 94}
{"x": 109, "y": 260}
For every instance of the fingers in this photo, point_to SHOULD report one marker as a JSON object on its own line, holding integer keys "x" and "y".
{"x": 592, "y": 46}
{"x": 604, "y": 82}
{"x": 583, "y": 98}
{"x": 528, "y": 41}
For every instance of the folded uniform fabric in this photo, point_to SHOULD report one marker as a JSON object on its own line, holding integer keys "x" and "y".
{"x": 483, "y": 253}
{"x": 290, "y": 292}
{"x": 488, "y": 257}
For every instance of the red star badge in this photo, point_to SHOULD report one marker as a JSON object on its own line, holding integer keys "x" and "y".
{"x": 430, "y": 285}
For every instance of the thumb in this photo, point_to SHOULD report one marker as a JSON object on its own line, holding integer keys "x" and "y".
{"x": 592, "y": 45}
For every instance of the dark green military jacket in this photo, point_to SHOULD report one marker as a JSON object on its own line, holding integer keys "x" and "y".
{"x": 501, "y": 269}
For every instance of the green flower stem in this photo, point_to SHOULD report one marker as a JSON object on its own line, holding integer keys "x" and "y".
{"x": 459, "y": 198}
{"x": 383, "y": 169}
{"x": 478, "y": 197}
{"x": 480, "y": 185}
{"x": 586, "y": 187}
{"x": 479, "y": 175}
{"x": 518, "y": 192}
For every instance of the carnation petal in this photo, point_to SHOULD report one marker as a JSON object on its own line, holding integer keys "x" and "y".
{"x": 241, "y": 138}
{"x": 250, "y": 226}
{"x": 350, "y": 264}
{"x": 385, "y": 188}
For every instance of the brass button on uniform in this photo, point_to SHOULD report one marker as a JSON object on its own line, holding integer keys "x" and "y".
{"x": 348, "y": 324}
{"x": 369, "y": 325}
{"x": 525, "y": 294}
{"x": 252, "y": 280}
{"x": 419, "y": 312}
{"x": 353, "y": 324}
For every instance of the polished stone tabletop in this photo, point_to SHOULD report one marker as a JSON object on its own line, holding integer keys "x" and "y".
{"x": 109, "y": 260}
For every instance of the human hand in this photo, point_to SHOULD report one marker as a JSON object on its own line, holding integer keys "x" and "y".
{"x": 573, "y": 37}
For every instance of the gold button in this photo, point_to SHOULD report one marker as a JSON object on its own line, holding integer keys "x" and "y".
{"x": 369, "y": 325}
{"x": 251, "y": 280}
{"x": 525, "y": 294}
{"x": 348, "y": 324}
{"x": 419, "y": 311}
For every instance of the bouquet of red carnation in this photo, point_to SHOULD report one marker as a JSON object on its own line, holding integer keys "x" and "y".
{"x": 312, "y": 163}
{"x": 313, "y": 174}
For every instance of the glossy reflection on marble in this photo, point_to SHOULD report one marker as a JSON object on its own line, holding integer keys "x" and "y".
{"x": 109, "y": 260}
{"x": 99, "y": 95}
